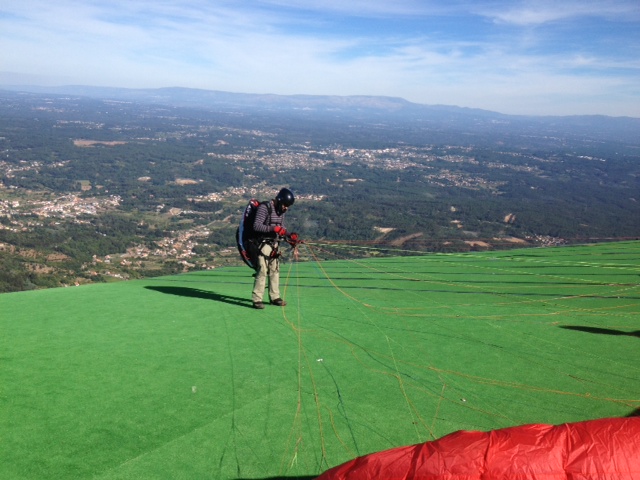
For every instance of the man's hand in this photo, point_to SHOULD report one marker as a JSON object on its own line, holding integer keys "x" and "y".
{"x": 293, "y": 239}
{"x": 280, "y": 230}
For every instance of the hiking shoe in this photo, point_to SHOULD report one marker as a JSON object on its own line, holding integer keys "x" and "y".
{"x": 258, "y": 305}
{"x": 279, "y": 302}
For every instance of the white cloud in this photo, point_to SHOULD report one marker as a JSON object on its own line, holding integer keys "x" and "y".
{"x": 538, "y": 12}
{"x": 254, "y": 46}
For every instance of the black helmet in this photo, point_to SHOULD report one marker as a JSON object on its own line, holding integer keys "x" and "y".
{"x": 285, "y": 197}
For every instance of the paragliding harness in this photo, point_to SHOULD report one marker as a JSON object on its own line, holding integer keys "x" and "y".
{"x": 250, "y": 243}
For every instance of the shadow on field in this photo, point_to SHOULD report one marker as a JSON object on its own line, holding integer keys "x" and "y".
{"x": 602, "y": 331}
{"x": 204, "y": 294}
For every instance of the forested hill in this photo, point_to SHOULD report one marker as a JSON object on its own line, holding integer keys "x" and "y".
{"x": 95, "y": 186}
{"x": 366, "y": 109}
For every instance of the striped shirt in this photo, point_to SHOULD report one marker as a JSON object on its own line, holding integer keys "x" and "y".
{"x": 265, "y": 223}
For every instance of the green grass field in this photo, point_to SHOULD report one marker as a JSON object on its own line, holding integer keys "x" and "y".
{"x": 179, "y": 378}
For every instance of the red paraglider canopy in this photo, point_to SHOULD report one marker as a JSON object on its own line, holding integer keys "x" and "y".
{"x": 605, "y": 449}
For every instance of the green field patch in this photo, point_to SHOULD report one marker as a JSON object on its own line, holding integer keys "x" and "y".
{"x": 178, "y": 377}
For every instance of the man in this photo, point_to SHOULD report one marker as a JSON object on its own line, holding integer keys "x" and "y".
{"x": 269, "y": 229}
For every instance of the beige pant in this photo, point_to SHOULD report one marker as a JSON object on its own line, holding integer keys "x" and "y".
{"x": 267, "y": 267}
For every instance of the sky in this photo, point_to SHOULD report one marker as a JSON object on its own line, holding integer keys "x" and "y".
{"x": 538, "y": 57}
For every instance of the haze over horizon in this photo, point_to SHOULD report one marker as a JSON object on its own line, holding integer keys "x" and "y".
{"x": 515, "y": 57}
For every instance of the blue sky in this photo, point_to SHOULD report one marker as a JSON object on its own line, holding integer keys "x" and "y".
{"x": 539, "y": 57}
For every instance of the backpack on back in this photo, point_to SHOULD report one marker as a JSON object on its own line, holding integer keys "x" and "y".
{"x": 245, "y": 233}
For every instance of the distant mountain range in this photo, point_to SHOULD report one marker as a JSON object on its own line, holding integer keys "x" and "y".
{"x": 362, "y": 108}
{"x": 191, "y": 97}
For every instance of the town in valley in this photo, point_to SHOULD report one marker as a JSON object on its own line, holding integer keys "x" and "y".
{"x": 97, "y": 189}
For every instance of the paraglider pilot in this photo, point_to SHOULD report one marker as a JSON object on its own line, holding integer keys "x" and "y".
{"x": 269, "y": 229}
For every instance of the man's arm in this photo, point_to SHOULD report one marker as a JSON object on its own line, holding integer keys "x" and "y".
{"x": 260, "y": 222}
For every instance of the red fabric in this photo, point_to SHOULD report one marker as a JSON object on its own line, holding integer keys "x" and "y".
{"x": 606, "y": 449}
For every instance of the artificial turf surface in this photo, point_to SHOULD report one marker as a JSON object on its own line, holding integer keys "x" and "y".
{"x": 179, "y": 378}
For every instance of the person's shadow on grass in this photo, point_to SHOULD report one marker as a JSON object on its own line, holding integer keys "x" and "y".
{"x": 204, "y": 294}
{"x": 602, "y": 331}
